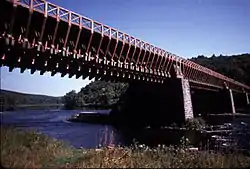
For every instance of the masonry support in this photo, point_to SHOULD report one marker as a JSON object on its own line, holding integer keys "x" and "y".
{"x": 185, "y": 95}
{"x": 154, "y": 104}
{"x": 178, "y": 98}
{"x": 187, "y": 101}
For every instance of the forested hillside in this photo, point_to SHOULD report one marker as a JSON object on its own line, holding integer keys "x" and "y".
{"x": 9, "y": 99}
{"x": 236, "y": 66}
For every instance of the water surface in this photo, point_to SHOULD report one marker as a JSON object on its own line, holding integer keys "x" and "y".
{"x": 55, "y": 124}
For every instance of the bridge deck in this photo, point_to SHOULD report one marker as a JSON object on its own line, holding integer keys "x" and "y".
{"x": 38, "y": 35}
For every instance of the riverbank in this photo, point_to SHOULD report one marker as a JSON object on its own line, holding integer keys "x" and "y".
{"x": 30, "y": 149}
{"x": 91, "y": 117}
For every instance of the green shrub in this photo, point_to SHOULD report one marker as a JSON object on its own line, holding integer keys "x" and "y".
{"x": 195, "y": 124}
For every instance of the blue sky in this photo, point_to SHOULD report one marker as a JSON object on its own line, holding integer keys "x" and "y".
{"x": 186, "y": 28}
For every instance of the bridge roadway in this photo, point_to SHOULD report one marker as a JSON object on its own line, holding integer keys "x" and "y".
{"x": 38, "y": 35}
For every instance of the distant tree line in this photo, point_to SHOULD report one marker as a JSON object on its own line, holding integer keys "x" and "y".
{"x": 10, "y": 100}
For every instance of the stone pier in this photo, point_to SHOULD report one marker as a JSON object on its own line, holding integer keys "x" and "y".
{"x": 188, "y": 107}
{"x": 153, "y": 104}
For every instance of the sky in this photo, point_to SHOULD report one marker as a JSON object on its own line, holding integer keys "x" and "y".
{"x": 185, "y": 28}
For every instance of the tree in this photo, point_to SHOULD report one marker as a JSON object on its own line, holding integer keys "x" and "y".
{"x": 201, "y": 56}
{"x": 70, "y": 100}
{"x": 236, "y": 66}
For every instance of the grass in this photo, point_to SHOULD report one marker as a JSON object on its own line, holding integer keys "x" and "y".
{"x": 30, "y": 149}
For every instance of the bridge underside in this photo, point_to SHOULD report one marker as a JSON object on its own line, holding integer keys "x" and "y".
{"x": 42, "y": 47}
{"x": 148, "y": 104}
{"x": 156, "y": 105}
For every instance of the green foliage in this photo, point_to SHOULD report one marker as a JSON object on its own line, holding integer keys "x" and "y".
{"x": 32, "y": 150}
{"x": 194, "y": 124}
{"x": 97, "y": 93}
{"x": 9, "y": 100}
{"x": 236, "y": 66}
{"x": 184, "y": 142}
{"x": 29, "y": 149}
{"x": 70, "y": 100}
{"x": 101, "y": 92}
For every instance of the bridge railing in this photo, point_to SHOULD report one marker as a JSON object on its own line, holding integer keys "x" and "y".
{"x": 150, "y": 57}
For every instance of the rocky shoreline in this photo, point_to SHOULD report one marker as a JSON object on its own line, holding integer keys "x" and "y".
{"x": 90, "y": 117}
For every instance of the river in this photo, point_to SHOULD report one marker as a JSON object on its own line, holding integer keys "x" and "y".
{"x": 54, "y": 124}
{"x": 86, "y": 135}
